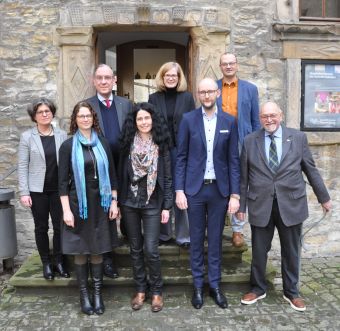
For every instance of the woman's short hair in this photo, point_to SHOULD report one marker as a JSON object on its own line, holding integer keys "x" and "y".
{"x": 33, "y": 108}
{"x": 73, "y": 124}
{"x": 159, "y": 80}
{"x": 160, "y": 132}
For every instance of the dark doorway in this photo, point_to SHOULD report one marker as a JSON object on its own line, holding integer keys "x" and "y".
{"x": 136, "y": 58}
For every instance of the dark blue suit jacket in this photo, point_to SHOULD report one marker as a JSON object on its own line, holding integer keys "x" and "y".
{"x": 192, "y": 154}
{"x": 247, "y": 107}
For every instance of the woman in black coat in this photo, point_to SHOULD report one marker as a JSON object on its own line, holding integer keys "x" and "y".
{"x": 88, "y": 193}
{"x": 145, "y": 196}
{"x": 172, "y": 100}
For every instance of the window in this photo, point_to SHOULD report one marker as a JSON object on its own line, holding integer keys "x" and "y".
{"x": 320, "y": 99}
{"x": 320, "y": 10}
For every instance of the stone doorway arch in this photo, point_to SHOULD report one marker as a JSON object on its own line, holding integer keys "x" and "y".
{"x": 77, "y": 33}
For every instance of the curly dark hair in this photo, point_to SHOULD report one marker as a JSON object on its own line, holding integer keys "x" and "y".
{"x": 160, "y": 132}
{"x": 73, "y": 124}
{"x": 33, "y": 108}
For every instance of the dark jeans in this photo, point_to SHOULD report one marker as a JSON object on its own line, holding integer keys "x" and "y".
{"x": 142, "y": 226}
{"x": 43, "y": 205}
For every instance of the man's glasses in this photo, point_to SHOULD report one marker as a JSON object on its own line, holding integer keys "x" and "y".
{"x": 209, "y": 92}
{"x": 227, "y": 64}
{"x": 105, "y": 78}
{"x": 267, "y": 117}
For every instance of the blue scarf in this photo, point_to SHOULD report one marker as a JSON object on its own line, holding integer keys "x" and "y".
{"x": 79, "y": 171}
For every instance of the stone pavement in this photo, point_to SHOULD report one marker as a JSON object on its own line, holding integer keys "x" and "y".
{"x": 58, "y": 309}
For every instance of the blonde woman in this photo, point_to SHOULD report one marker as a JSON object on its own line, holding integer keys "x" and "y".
{"x": 172, "y": 100}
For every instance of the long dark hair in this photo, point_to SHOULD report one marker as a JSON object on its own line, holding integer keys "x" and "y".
{"x": 160, "y": 132}
{"x": 73, "y": 124}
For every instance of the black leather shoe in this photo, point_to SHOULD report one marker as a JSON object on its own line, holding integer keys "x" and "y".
{"x": 47, "y": 271}
{"x": 218, "y": 297}
{"x": 110, "y": 271}
{"x": 61, "y": 270}
{"x": 197, "y": 298}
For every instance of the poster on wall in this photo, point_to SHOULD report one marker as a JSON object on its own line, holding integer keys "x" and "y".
{"x": 320, "y": 95}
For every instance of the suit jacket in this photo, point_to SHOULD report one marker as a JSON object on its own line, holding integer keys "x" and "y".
{"x": 31, "y": 160}
{"x": 123, "y": 106}
{"x": 258, "y": 183}
{"x": 247, "y": 108}
{"x": 192, "y": 154}
{"x": 164, "y": 179}
{"x": 184, "y": 104}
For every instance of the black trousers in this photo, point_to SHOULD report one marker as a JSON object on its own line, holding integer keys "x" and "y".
{"x": 43, "y": 205}
{"x": 143, "y": 226}
{"x": 290, "y": 254}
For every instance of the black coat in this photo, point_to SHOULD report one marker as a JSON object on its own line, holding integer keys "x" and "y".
{"x": 184, "y": 104}
{"x": 164, "y": 180}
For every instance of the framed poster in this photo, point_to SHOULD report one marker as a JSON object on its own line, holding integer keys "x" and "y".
{"x": 320, "y": 100}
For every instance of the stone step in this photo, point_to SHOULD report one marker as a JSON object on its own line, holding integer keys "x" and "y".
{"x": 175, "y": 267}
{"x": 233, "y": 271}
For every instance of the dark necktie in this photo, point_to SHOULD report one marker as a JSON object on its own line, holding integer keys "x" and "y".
{"x": 273, "y": 159}
{"x": 107, "y": 101}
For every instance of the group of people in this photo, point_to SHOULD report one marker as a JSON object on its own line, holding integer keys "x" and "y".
{"x": 138, "y": 163}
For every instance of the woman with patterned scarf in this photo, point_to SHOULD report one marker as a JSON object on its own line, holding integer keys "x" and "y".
{"x": 88, "y": 193}
{"x": 145, "y": 196}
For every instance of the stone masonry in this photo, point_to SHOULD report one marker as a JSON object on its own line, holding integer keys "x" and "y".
{"x": 32, "y": 64}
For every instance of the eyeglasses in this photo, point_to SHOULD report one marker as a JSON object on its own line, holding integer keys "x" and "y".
{"x": 45, "y": 112}
{"x": 267, "y": 117}
{"x": 105, "y": 78}
{"x": 170, "y": 76}
{"x": 204, "y": 93}
{"x": 82, "y": 117}
{"x": 227, "y": 64}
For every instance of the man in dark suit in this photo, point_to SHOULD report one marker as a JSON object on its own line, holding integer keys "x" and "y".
{"x": 207, "y": 184}
{"x": 238, "y": 98}
{"x": 111, "y": 111}
{"x": 272, "y": 186}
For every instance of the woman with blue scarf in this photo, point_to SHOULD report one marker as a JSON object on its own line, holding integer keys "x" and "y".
{"x": 88, "y": 193}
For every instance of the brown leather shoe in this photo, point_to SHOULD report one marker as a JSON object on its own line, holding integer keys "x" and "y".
{"x": 251, "y": 297}
{"x": 296, "y": 303}
{"x": 237, "y": 240}
{"x": 157, "y": 303}
{"x": 138, "y": 300}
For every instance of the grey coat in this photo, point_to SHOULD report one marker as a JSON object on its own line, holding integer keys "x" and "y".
{"x": 31, "y": 160}
{"x": 258, "y": 183}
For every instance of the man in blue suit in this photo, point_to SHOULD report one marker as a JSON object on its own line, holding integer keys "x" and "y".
{"x": 238, "y": 98}
{"x": 207, "y": 181}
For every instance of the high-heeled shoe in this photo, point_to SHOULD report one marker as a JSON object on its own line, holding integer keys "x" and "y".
{"x": 61, "y": 270}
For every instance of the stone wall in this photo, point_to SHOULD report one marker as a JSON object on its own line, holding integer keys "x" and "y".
{"x": 31, "y": 66}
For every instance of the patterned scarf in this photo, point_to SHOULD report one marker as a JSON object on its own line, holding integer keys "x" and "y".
{"x": 79, "y": 171}
{"x": 144, "y": 160}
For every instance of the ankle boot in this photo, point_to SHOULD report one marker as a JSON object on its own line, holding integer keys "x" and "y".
{"x": 82, "y": 272}
{"x": 97, "y": 280}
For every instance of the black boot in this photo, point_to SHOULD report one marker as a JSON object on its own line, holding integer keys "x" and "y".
{"x": 82, "y": 272}
{"x": 97, "y": 279}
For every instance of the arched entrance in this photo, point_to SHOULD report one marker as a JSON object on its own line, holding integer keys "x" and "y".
{"x": 82, "y": 46}
{"x": 137, "y": 56}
